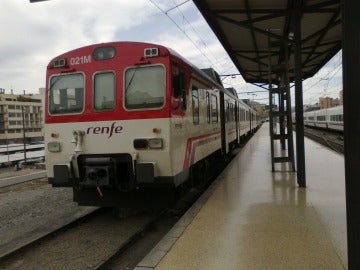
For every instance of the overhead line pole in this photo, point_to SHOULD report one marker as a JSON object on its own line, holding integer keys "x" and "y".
{"x": 351, "y": 66}
{"x": 300, "y": 145}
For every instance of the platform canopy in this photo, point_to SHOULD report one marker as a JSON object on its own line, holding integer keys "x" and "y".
{"x": 243, "y": 28}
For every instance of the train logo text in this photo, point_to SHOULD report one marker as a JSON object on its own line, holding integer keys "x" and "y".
{"x": 105, "y": 130}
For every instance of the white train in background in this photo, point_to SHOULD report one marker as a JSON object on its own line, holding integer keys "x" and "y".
{"x": 19, "y": 158}
{"x": 330, "y": 118}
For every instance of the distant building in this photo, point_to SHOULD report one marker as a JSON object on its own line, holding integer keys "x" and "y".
{"x": 328, "y": 102}
{"x": 262, "y": 110}
{"x": 341, "y": 97}
{"x": 18, "y": 112}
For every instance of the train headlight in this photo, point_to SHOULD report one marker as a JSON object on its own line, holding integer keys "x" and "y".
{"x": 104, "y": 53}
{"x": 151, "y": 52}
{"x": 59, "y": 63}
{"x": 154, "y": 143}
{"x": 53, "y": 147}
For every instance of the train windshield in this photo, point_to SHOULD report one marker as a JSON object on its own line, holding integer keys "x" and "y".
{"x": 66, "y": 94}
{"x": 144, "y": 87}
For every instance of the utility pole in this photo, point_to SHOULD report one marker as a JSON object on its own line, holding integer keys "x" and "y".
{"x": 24, "y": 135}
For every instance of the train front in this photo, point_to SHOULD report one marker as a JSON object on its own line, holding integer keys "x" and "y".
{"x": 107, "y": 124}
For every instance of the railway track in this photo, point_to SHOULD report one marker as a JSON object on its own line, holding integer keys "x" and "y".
{"x": 332, "y": 140}
{"x": 7, "y": 255}
{"x": 21, "y": 178}
{"x": 84, "y": 244}
{"x": 98, "y": 240}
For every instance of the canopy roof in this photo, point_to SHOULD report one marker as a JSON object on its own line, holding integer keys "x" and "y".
{"x": 243, "y": 28}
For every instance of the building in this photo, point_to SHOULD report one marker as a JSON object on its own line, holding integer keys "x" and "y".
{"x": 341, "y": 96}
{"x": 262, "y": 110}
{"x": 328, "y": 102}
{"x": 19, "y": 113}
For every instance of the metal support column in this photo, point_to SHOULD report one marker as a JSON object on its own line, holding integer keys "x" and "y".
{"x": 351, "y": 67}
{"x": 300, "y": 146}
{"x": 280, "y": 119}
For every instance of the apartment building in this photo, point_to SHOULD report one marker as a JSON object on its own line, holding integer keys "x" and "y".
{"x": 21, "y": 116}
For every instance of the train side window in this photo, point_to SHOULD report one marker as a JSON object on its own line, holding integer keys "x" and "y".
{"x": 232, "y": 112}
{"x": 104, "y": 91}
{"x": 208, "y": 108}
{"x": 336, "y": 117}
{"x": 195, "y": 105}
{"x": 179, "y": 88}
{"x": 214, "y": 109}
{"x": 235, "y": 112}
{"x": 227, "y": 111}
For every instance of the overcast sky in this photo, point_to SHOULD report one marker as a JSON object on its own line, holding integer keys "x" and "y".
{"x": 32, "y": 34}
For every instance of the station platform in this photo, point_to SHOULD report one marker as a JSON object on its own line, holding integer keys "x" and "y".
{"x": 252, "y": 218}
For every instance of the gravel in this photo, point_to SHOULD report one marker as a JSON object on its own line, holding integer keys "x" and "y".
{"x": 32, "y": 209}
{"x": 29, "y": 210}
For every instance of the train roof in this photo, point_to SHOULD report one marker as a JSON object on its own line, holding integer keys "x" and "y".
{"x": 326, "y": 110}
{"x": 208, "y": 74}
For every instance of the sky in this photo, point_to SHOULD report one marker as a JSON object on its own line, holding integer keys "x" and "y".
{"x": 33, "y": 34}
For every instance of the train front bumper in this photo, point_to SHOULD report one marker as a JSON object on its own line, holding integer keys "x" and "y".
{"x": 104, "y": 172}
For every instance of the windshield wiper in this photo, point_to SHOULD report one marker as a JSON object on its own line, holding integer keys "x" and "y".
{"x": 131, "y": 79}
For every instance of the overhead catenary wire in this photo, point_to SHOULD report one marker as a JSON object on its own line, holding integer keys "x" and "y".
{"x": 327, "y": 79}
{"x": 182, "y": 30}
{"x": 202, "y": 40}
{"x": 177, "y": 7}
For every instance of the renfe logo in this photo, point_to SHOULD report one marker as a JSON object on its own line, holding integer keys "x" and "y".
{"x": 105, "y": 130}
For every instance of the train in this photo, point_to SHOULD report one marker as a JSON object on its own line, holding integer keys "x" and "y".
{"x": 13, "y": 154}
{"x": 130, "y": 123}
{"x": 329, "y": 118}
{"x": 18, "y": 159}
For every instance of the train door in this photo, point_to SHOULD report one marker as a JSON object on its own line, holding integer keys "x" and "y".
{"x": 178, "y": 102}
{"x": 237, "y": 122}
{"x": 224, "y": 145}
{"x": 250, "y": 120}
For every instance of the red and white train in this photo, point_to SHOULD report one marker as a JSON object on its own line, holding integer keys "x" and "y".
{"x": 128, "y": 122}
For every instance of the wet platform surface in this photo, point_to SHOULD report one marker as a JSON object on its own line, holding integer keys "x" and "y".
{"x": 252, "y": 218}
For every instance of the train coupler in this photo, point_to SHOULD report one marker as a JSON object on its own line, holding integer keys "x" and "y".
{"x": 97, "y": 172}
